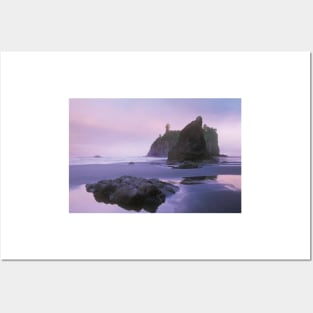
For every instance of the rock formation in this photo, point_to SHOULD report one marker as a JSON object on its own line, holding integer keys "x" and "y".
{"x": 191, "y": 145}
{"x": 162, "y": 145}
{"x": 211, "y": 139}
{"x": 132, "y": 193}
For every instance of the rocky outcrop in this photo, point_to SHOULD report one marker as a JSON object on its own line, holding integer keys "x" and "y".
{"x": 211, "y": 139}
{"x": 191, "y": 145}
{"x": 162, "y": 145}
{"x": 132, "y": 193}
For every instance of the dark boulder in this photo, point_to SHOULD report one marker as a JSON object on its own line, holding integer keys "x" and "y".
{"x": 191, "y": 145}
{"x": 132, "y": 193}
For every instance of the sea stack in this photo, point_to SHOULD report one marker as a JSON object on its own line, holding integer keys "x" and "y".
{"x": 162, "y": 145}
{"x": 191, "y": 144}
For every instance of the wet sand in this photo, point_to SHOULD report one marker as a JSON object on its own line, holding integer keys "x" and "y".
{"x": 85, "y": 174}
{"x": 213, "y": 188}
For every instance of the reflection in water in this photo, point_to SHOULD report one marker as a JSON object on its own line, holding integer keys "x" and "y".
{"x": 148, "y": 204}
{"x": 81, "y": 201}
{"x": 200, "y": 194}
{"x": 232, "y": 182}
{"x": 197, "y": 179}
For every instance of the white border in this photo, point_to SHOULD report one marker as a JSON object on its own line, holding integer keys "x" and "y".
{"x": 275, "y": 92}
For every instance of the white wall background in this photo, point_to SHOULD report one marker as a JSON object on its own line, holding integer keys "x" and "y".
{"x": 274, "y": 88}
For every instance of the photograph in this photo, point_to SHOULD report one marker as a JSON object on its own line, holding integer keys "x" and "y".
{"x": 155, "y": 155}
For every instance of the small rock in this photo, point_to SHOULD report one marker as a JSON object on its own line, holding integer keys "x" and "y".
{"x": 187, "y": 165}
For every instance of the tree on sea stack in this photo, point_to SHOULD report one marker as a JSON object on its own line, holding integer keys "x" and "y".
{"x": 211, "y": 138}
{"x": 167, "y": 128}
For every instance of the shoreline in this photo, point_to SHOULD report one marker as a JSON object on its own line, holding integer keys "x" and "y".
{"x": 91, "y": 173}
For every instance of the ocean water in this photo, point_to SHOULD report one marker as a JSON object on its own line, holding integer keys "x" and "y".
{"x": 84, "y": 160}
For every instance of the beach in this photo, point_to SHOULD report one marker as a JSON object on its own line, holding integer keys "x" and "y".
{"x": 211, "y": 188}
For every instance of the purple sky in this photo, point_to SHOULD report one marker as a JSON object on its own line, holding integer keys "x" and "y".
{"x": 127, "y": 127}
